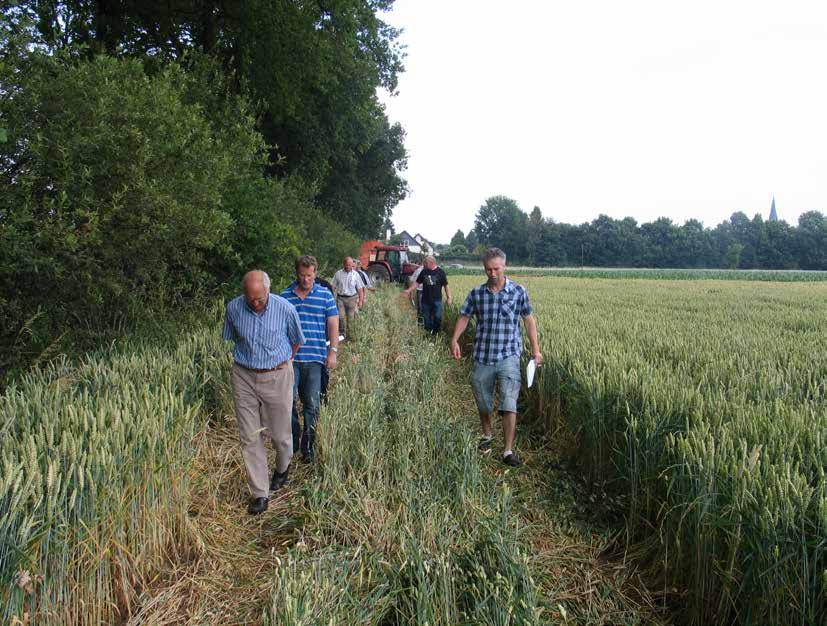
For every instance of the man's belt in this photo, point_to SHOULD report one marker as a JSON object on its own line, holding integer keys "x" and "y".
{"x": 341, "y": 295}
{"x": 264, "y": 370}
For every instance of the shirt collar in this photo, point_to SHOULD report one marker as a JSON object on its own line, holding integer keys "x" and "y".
{"x": 295, "y": 283}
{"x": 507, "y": 287}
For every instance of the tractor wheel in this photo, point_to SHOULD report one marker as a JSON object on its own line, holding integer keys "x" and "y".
{"x": 379, "y": 274}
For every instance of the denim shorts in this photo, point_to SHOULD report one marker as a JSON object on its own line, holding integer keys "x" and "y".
{"x": 507, "y": 374}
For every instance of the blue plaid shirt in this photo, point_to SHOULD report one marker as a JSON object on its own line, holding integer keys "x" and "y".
{"x": 498, "y": 321}
{"x": 262, "y": 340}
{"x": 314, "y": 311}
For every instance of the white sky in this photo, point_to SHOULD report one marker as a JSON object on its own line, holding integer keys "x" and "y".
{"x": 645, "y": 108}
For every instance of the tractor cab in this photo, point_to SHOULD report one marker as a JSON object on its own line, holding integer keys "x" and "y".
{"x": 385, "y": 263}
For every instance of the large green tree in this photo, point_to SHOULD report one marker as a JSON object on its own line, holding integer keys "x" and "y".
{"x": 312, "y": 68}
{"x": 458, "y": 239}
{"x": 501, "y": 223}
{"x": 812, "y": 241}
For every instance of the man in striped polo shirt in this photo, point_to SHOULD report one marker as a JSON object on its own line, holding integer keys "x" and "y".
{"x": 498, "y": 305}
{"x": 319, "y": 318}
{"x": 267, "y": 334}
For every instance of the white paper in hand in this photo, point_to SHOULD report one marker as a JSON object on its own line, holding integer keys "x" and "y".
{"x": 529, "y": 372}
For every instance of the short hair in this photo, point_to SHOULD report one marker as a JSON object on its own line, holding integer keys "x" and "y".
{"x": 429, "y": 259}
{"x": 307, "y": 261}
{"x": 493, "y": 253}
{"x": 265, "y": 279}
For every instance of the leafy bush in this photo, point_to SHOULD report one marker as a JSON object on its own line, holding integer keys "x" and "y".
{"x": 125, "y": 192}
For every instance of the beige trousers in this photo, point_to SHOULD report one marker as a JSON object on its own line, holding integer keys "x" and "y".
{"x": 347, "y": 309}
{"x": 263, "y": 404}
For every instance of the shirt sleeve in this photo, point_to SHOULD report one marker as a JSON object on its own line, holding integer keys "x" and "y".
{"x": 469, "y": 306}
{"x": 330, "y": 308}
{"x": 525, "y": 305}
{"x": 294, "y": 329}
{"x": 444, "y": 278}
{"x": 228, "y": 332}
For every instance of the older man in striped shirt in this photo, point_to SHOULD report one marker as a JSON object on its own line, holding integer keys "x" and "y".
{"x": 319, "y": 319}
{"x": 267, "y": 334}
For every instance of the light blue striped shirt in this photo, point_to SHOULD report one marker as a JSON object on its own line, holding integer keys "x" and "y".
{"x": 262, "y": 340}
{"x": 314, "y": 311}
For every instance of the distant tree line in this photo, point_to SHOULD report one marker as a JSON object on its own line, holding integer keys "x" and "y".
{"x": 738, "y": 243}
{"x": 152, "y": 152}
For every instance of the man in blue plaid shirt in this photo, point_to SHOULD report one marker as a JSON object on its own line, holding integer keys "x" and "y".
{"x": 498, "y": 305}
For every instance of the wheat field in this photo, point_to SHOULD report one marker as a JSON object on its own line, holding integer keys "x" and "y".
{"x": 704, "y": 404}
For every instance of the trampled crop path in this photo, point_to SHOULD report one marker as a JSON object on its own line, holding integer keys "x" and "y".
{"x": 401, "y": 520}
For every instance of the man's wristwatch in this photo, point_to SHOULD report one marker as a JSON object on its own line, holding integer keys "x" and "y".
{"x": 334, "y": 348}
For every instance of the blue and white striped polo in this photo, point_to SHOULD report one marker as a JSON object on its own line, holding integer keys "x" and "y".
{"x": 262, "y": 340}
{"x": 498, "y": 320}
{"x": 314, "y": 311}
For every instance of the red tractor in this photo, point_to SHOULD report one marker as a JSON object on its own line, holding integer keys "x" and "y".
{"x": 385, "y": 263}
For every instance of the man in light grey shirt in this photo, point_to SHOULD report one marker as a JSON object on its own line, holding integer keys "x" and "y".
{"x": 349, "y": 290}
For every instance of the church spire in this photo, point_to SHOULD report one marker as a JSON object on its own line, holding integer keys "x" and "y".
{"x": 773, "y": 213}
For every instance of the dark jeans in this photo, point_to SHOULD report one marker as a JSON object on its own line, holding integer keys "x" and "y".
{"x": 325, "y": 381}
{"x": 432, "y": 316}
{"x": 307, "y": 381}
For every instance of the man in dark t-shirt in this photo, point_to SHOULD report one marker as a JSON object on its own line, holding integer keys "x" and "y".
{"x": 433, "y": 281}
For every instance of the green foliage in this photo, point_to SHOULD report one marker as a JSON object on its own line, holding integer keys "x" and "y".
{"x": 703, "y": 404}
{"x": 780, "y": 276}
{"x": 733, "y": 255}
{"x": 107, "y": 200}
{"x": 501, "y": 223}
{"x": 607, "y": 242}
{"x": 812, "y": 238}
{"x": 147, "y": 195}
{"x": 320, "y": 235}
{"x": 313, "y": 69}
{"x": 458, "y": 239}
{"x": 94, "y": 491}
{"x": 471, "y": 240}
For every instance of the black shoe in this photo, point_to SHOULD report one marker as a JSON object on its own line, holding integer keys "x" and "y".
{"x": 257, "y": 505}
{"x": 513, "y": 460}
{"x": 278, "y": 480}
{"x": 485, "y": 444}
{"x": 308, "y": 457}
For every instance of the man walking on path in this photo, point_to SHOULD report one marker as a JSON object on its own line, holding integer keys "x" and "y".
{"x": 433, "y": 280}
{"x": 325, "y": 372}
{"x": 349, "y": 291}
{"x": 267, "y": 334}
{"x": 498, "y": 306}
{"x": 367, "y": 283}
{"x": 418, "y": 297}
{"x": 319, "y": 320}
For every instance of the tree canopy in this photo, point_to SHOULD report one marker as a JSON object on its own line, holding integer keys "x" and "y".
{"x": 312, "y": 70}
{"x": 739, "y": 242}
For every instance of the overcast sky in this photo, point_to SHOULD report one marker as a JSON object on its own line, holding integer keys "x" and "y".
{"x": 643, "y": 108}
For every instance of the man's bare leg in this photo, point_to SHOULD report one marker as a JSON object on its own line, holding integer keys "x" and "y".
{"x": 485, "y": 424}
{"x": 509, "y": 428}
